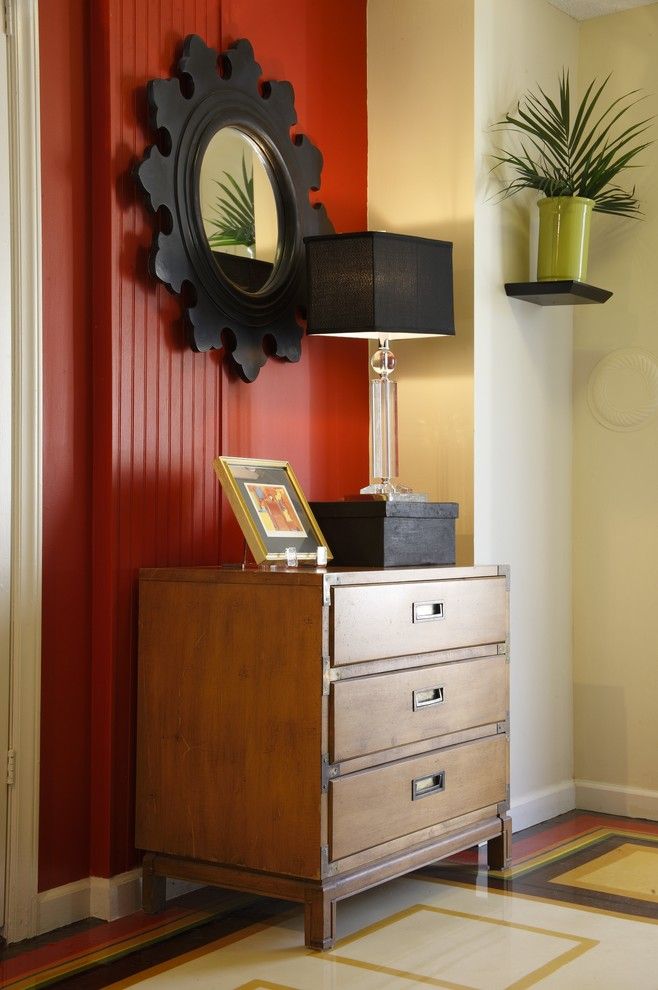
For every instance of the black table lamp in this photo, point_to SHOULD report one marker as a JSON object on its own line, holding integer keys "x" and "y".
{"x": 381, "y": 287}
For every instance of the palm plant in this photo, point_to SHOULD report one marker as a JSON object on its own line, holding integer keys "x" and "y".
{"x": 561, "y": 155}
{"x": 234, "y": 222}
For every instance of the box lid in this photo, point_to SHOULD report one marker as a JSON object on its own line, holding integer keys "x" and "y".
{"x": 378, "y": 508}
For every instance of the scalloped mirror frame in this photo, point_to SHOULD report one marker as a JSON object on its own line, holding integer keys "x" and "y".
{"x": 212, "y": 91}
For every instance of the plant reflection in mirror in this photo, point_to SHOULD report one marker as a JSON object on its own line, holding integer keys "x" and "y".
{"x": 234, "y": 219}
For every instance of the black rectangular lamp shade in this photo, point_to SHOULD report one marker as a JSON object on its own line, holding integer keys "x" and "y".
{"x": 376, "y": 284}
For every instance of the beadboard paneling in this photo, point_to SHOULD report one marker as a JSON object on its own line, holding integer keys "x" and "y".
{"x": 154, "y": 413}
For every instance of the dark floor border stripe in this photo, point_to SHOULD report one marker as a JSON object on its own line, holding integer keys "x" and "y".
{"x": 537, "y": 882}
{"x": 145, "y": 958}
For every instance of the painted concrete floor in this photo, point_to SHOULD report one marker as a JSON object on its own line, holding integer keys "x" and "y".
{"x": 578, "y": 909}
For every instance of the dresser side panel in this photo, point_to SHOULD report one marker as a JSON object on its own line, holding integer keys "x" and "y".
{"x": 230, "y": 724}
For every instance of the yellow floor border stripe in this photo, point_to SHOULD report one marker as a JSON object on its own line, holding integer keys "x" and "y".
{"x": 44, "y": 976}
{"x": 557, "y": 852}
{"x": 570, "y": 846}
{"x": 524, "y": 983}
{"x": 580, "y": 876}
{"x": 203, "y": 950}
{"x": 543, "y": 900}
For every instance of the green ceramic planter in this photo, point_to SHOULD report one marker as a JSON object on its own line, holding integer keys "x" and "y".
{"x": 564, "y": 223}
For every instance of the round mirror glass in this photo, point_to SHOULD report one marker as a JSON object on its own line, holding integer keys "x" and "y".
{"x": 239, "y": 209}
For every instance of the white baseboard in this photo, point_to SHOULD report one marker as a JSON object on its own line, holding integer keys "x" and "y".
{"x": 62, "y": 906}
{"x": 115, "y": 897}
{"x": 98, "y": 897}
{"x": 538, "y": 806}
{"x": 615, "y": 799}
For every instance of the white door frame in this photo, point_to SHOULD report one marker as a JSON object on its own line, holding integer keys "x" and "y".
{"x": 25, "y": 646}
{"x": 6, "y": 353}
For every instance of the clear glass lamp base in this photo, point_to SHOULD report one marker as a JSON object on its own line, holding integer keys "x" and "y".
{"x": 390, "y": 492}
{"x": 384, "y": 433}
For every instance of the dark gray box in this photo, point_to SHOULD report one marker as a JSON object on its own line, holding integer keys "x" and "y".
{"x": 376, "y": 533}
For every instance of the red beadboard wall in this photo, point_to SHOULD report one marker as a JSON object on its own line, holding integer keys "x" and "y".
{"x": 66, "y": 628}
{"x": 134, "y": 416}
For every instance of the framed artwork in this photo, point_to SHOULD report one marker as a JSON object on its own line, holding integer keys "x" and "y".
{"x": 270, "y": 507}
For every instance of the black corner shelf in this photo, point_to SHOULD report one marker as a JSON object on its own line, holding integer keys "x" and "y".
{"x": 565, "y": 292}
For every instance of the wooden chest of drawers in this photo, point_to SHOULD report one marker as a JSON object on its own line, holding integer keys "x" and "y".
{"x": 307, "y": 734}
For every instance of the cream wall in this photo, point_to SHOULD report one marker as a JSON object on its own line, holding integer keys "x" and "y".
{"x": 523, "y": 369}
{"x": 420, "y": 181}
{"x": 440, "y": 72}
{"x": 616, "y": 473}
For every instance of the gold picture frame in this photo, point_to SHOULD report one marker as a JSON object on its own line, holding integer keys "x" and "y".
{"x": 271, "y": 508}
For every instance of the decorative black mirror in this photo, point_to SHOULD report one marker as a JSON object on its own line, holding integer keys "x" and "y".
{"x": 230, "y": 191}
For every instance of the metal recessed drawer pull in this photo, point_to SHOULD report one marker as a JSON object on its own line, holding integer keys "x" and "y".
{"x": 433, "y": 783}
{"x": 427, "y": 611}
{"x": 430, "y": 696}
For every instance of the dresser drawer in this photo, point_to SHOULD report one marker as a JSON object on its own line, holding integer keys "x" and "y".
{"x": 388, "y": 620}
{"x": 374, "y": 806}
{"x": 369, "y": 714}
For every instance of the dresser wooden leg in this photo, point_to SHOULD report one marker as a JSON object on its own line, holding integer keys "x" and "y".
{"x": 319, "y": 920}
{"x": 154, "y": 887}
{"x": 499, "y": 850}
